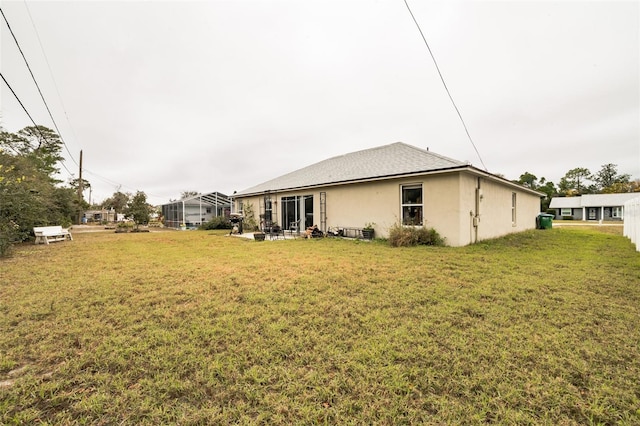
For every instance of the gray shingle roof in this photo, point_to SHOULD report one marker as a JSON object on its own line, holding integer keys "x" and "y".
{"x": 387, "y": 160}
{"x": 593, "y": 200}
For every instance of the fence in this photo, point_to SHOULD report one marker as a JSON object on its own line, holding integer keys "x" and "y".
{"x": 632, "y": 221}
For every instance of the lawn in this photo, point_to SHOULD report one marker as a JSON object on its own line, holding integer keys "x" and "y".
{"x": 196, "y": 327}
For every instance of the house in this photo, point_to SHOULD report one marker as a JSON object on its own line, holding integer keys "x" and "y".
{"x": 392, "y": 184}
{"x": 99, "y": 216}
{"x": 192, "y": 212}
{"x": 591, "y": 206}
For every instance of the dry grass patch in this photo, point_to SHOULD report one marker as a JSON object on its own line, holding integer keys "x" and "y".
{"x": 195, "y": 328}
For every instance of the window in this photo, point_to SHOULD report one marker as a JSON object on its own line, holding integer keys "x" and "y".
{"x": 513, "y": 208}
{"x": 616, "y": 212}
{"x": 565, "y": 212}
{"x": 208, "y": 209}
{"x": 268, "y": 209}
{"x": 412, "y": 205}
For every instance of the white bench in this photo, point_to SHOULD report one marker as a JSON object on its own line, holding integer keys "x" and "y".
{"x": 45, "y": 234}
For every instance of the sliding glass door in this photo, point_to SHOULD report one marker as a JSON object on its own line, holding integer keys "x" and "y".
{"x": 297, "y": 209}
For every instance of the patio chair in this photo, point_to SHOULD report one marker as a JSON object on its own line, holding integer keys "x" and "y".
{"x": 294, "y": 227}
{"x": 275, "y": 231}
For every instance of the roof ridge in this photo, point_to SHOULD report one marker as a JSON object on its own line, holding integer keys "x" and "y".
{"x": 385, "y": 160}
{"x": 428, "y": 151}
{"x": 404, "y": 144}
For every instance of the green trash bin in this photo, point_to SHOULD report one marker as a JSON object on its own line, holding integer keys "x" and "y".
{"x": 545, "y": 221}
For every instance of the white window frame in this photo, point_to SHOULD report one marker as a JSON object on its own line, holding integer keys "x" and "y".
{"x": 514, "y": 206}
{"x": 616, "y": 212}
{"x": 407, "y": 206}
{"x": 566, "y": 211}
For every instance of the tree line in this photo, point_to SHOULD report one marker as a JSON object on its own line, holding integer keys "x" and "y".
{"x": 579, "y": 181}
{"x": 32, "y": 195}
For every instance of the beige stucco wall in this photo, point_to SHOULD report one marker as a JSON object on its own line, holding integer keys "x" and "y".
{"x": 449, "y": 206}
{"x": 496, "y": 210}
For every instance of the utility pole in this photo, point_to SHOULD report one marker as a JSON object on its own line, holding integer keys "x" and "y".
{"x": 80, "y": 192}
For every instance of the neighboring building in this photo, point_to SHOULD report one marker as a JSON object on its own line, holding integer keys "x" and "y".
{"x": 193, "y": 211}
{"x": 99, "y": 216}
{"x": 592, "y": 206}
{"x": 391, "y": 184}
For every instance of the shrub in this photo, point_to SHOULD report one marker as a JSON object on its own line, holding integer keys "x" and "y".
{"x": 218, "y": 222}
{"x": 406, "y": 236}
{"x": 249, "y": 218}
{"x": 428, "y": 237}
{"x": 8, "y": 236}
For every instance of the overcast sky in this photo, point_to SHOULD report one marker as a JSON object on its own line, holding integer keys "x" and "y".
{"x": 170, "y": 96}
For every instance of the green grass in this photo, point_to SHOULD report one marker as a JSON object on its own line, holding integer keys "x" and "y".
{"x": 199, "y": 328}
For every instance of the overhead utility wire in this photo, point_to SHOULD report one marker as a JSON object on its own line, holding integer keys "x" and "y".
{"x": 36, "y": 83}
{"x": 29, "y": 115}
{"x": 445, "y": 84}
{"x": 64, "y": 109}
{"x": 118, "y": 185}
{"x": 45, "y": 102}
{"x": 21, "y": 104}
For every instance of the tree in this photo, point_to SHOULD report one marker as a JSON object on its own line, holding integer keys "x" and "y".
{"x": 41, "y": 145}
{"x": 549, "y": 188}
{"x": 29, "y": 192}
{"x": 80, "y": 203}
{"x": 188, "y": 194}
{"x": 574, "y": 182}
{"x": 138, "y": 209}
{"x": 617, "y": 188}
{"x": 74, "y": 184}
{"x": 118, "y": 202}
{"x": 529, "y": 180}
{"x": 609, "y": 181}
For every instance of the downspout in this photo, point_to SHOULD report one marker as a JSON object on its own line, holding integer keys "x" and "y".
{"x": 476, "y": 218}
{"x": 183, "y": 224}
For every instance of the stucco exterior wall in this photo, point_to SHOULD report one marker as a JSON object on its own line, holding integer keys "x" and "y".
{"x": 496, "y": 210}
{"x": 444, "y": 207}
{"x": 449, "y": 202}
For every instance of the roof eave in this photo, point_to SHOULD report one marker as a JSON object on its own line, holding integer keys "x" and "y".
{"x": 505, "y": 181}
{"x": 465, "y": 167}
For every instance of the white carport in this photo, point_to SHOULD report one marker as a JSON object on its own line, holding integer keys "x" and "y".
{"x": 193, "y": 211}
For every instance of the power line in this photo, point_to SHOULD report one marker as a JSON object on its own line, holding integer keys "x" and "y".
{"x": 29, "y": 115}
{"x": 64, "y": 109}
{"x": 21, "y": 104}
{"x": 45, "y": 102}
{"x": 118, "y": 185}
{"x": 37, "y": 86}
{"x": 445, "y": 84}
